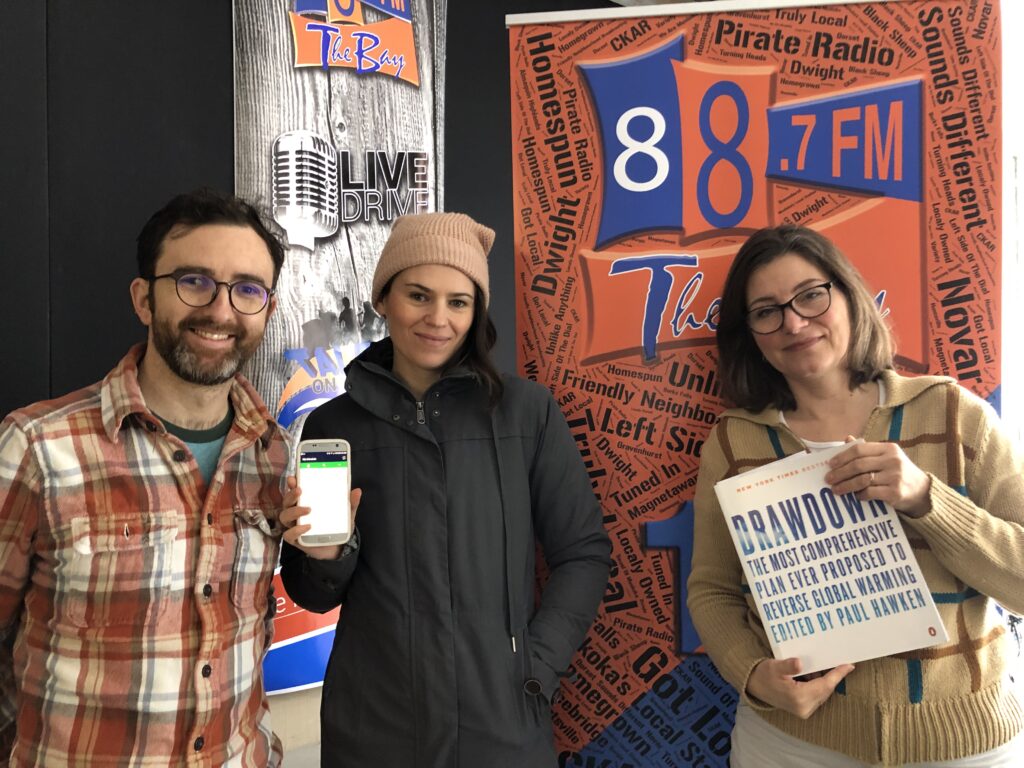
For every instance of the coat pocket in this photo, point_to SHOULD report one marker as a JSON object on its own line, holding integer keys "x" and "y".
{"x": 118, "y": 570}
{"x": 536, "y": 698}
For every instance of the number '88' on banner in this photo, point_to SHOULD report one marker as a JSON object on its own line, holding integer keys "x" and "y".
{"x": 663, "y": 120}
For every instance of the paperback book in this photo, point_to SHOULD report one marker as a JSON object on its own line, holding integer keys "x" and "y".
{"x": 834, "y": 578}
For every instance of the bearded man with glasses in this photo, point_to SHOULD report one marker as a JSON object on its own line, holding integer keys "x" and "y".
{"x": 138, "y": 522}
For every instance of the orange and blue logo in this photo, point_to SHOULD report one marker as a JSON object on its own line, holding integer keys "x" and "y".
{"x": 334, "y": 33}
{"x": 320, "y": 377}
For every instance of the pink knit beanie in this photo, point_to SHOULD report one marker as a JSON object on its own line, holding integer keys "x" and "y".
{"x": 450, "y": 239}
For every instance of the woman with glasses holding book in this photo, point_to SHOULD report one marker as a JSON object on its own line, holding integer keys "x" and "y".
{"x": 806, "y": 360}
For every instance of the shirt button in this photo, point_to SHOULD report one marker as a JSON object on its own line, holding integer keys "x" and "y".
{"x": 396, "y": 417}
{"x": 436, "y": 413}
{"x": 198, "y": 743}
{"x": 207, "y": 590}
{"x": 180, "y": 455}
{"x": 207, "y": 670}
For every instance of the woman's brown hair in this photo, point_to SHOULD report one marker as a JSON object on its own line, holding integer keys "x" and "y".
{"x": 748, "y": 380}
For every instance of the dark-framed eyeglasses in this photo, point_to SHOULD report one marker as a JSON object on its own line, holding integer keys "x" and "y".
{"x": 808, "y": 304}
{"x": 197, "y": 290}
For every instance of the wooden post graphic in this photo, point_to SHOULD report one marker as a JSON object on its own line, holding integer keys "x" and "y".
{"x": 338, "y": 131}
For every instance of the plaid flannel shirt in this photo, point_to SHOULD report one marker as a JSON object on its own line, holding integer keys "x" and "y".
{"x": 135, "y": 602}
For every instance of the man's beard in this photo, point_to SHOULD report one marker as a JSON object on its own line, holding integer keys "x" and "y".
{"x": 189, "y": 366}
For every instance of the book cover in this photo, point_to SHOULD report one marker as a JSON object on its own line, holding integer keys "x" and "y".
{"x": 834, "y": 578}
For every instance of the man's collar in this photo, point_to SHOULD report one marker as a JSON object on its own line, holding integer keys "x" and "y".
{"x": 121, "y": 398}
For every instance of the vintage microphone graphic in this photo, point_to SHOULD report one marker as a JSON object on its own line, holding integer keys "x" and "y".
{"x": 305, "y": 179}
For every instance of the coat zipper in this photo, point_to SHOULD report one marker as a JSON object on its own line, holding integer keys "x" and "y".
{"x": 421, "y": 416}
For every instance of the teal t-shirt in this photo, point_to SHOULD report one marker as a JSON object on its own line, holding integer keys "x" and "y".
{"x": 205, "y": 444}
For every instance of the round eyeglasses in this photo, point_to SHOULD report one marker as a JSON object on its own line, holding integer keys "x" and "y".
{"x": 246, "y": 296}
{"x": 809, "y": 303}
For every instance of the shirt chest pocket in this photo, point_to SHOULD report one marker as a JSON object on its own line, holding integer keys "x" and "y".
{"x": 256, "y": 553}
{"x": 121, "y": 569}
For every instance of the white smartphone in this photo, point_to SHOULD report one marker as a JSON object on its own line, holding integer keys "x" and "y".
{"x": 325, "y": 477}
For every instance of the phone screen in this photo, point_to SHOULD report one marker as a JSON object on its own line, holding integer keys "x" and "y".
{"x": 324, "y": 479}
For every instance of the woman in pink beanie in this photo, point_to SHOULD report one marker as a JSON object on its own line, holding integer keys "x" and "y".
{"x": 443, "y": 655}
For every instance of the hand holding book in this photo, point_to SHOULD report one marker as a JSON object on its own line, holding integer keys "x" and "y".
{"x": 881, "y": 471}
{"x": 832, "y": 574}
{"x": 774, "y": 682}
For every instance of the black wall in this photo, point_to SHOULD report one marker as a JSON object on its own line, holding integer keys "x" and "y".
{"x": 108, "y": 109}
{"x": 24, "y": 231}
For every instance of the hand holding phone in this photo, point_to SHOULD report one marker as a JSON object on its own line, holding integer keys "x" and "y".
{"x": 292, "y": 521}
{"x": 324, "y": 475}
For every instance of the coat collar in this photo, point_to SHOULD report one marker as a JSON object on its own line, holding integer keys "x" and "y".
{"x": 376, "y": 361}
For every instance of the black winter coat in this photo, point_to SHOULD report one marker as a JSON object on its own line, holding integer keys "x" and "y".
{"x": 442, "y": 658}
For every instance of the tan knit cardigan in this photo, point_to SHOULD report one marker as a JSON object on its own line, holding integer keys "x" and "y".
{"x": 939, "y": 703}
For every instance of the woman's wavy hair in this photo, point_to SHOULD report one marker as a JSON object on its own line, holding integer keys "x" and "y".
{"x": 747, "y": 379}
{"x": 475, "y": 353}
